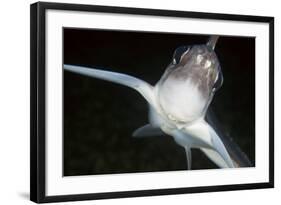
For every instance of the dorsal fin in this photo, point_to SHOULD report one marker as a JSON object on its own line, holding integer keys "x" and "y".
{"x": 212, "y": 41}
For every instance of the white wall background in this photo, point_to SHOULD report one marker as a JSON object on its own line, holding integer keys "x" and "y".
{"x": 14, "y": 100}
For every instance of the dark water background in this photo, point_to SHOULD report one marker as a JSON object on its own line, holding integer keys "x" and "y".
{"x": 100, "y": 117}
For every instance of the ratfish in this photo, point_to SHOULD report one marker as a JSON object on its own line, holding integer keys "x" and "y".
{"x": 180, "y": 99}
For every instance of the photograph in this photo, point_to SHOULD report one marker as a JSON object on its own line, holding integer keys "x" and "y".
{"x": 133, "y": 102}
{"x": 136, "y": 101}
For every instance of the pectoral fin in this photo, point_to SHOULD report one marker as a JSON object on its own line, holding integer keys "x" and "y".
{"x": 215, "y": 157}
{"x": 220, "y": 148}
{"x": 145, "y": 89}
{"x": 204, "y": 137}
{"x": 148, "y": 131}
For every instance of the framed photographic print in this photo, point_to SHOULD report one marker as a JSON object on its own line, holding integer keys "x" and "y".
{"x": 129, "y": 102}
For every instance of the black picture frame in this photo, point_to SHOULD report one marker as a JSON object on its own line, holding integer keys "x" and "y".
{"x": 38, "y": 101}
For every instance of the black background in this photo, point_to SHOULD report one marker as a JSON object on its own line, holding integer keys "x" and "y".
{"x": 99, "y": 116}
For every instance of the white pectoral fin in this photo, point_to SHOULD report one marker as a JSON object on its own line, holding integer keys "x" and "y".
{"x": 209, "y": 142}
{"x": 220, "y": 148}
{"x": 148, "y": 131}
{"x": 215, "y": 157}
{"x": 145, "y": 89}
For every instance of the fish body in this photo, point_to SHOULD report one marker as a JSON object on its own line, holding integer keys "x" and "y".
{"x": 179, "y": 101}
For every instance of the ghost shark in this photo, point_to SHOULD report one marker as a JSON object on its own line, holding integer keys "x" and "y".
{"x": 179, "y": 101}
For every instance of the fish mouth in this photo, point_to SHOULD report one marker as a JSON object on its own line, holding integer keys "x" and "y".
{"x": 178, "y": 123}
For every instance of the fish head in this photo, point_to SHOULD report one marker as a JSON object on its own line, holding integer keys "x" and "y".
{"x": 189, "y": 83}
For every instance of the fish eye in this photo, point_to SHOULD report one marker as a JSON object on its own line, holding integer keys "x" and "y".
{"x": 179, "y": 52}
